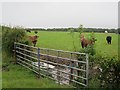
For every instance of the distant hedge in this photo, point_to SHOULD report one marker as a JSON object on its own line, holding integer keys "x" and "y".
{"x": 99, "y": 30}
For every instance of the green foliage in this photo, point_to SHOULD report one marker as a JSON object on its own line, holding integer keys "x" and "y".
{"x": 72, "y": 33}
{"x": 89, "y": 49}
{"x": 80, "y": 30}
{"x": 92, "y": 37}
{"x": 26, "y": 40}
{"x": 110, "y": 75}
{"x": 11, "y": 35}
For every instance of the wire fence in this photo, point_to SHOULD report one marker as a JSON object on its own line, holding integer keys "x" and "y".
{"x": 64, "y": 67}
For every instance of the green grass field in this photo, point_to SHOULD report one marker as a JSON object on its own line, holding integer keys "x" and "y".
{"x": 16, "y": 76}
{"x": 64, "y": 41}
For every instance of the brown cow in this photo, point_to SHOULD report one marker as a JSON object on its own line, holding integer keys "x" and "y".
{"x": 85, "y": 42}
{"x": 33, "y": 39}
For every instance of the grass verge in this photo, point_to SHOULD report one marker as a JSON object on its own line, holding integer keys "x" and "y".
{"x": 16, "y": 76}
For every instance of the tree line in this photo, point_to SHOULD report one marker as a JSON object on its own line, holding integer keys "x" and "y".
{"x": 99, "y": 30}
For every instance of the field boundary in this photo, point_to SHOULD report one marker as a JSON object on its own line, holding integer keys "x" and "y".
{"x": 64, "y": 67}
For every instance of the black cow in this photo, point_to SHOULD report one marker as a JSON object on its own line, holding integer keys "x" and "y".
{"x": 109, "y": 39}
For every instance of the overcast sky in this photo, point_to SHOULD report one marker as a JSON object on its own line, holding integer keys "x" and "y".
{"x": 60, "y": 14}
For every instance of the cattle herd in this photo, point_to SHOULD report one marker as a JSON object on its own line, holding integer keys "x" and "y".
{"x": 84, "y": 41}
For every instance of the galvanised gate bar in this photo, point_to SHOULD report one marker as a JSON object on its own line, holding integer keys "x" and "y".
{"x": 64, "y": 67}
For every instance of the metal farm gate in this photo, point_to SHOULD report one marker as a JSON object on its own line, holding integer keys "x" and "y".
{"x": 64, "y": 67}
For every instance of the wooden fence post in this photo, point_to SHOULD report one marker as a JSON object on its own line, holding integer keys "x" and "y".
{"x": 71, "y": 70}
{"x": 47, "y": 59}
{"x": 39, "y": 62}
{"x": 58, "y": 73}
{"x": 79, "y": 65}
{"x": 15, "y": 52}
